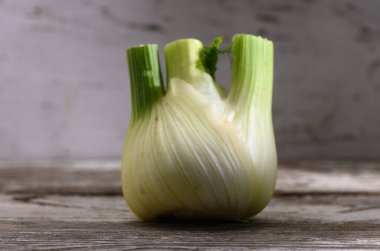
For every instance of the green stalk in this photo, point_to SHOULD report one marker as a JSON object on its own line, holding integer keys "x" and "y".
{"x": 252, "y": 74}
{"x": 146, "y": 79}
{"x": 181, "y": 60}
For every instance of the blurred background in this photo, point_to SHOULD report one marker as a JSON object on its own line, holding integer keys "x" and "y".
{"x": 64, "y": 84}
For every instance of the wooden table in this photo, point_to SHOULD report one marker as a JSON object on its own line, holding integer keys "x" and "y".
{"x": 317, "y": 205}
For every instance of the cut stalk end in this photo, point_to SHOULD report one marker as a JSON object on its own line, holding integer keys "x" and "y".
{"x": 146, "y": 79}
{"x": 252, "y": 73}
{"x": 181, "y": 57}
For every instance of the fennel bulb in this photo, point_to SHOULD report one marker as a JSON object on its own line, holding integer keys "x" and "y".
{"x": 191, "y": 150}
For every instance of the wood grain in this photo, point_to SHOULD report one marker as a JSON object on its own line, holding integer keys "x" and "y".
{"x": 59, "y": 206}
{"x": 103, "y": 222}
{"x": 102, "y": 177}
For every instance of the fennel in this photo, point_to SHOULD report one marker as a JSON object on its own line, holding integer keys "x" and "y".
{"x": 191, "y": 149}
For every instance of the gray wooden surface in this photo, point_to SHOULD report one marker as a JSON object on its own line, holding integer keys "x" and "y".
{"x": 64, "y": 87}
{"x": 317, "y": 205}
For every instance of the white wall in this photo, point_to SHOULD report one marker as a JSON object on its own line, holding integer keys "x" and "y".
{"x": 64, "y": 87}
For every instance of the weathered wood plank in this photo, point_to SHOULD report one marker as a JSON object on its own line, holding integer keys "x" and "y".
{"x": 322, "y": 208}
{"x": 75, "y": 177}
{"x": 329, "y": 177}
{"x": 104, "y": 222}
{"x": 320, "y": 205}
{"x": 102, "y": 177}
